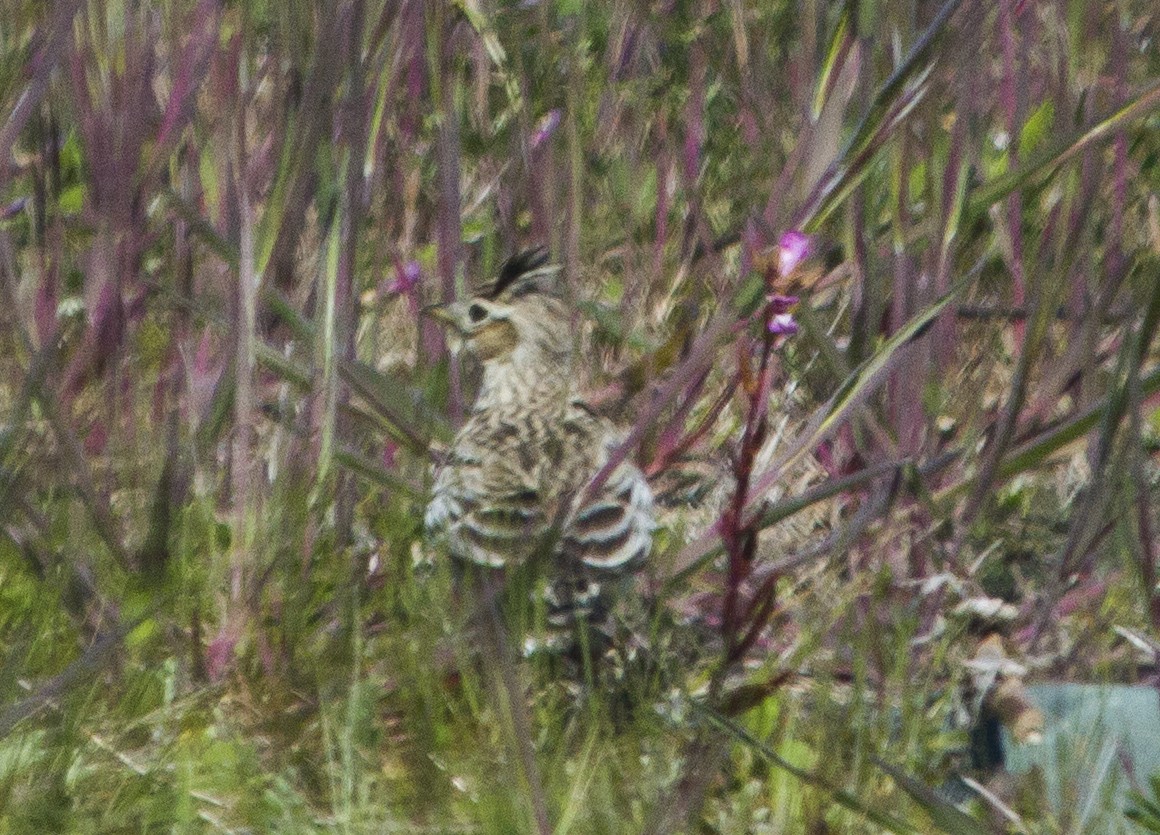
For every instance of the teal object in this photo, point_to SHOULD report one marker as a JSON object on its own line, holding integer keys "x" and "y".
{"x": 1099, "y": 742}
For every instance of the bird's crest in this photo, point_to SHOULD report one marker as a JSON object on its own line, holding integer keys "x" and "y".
{"x": 529, "y": 263}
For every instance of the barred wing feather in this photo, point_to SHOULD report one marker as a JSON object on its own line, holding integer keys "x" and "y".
{"x": 613, "y": 531}
{"x": 488, "y": 528}
{"x": 497, "y": 504}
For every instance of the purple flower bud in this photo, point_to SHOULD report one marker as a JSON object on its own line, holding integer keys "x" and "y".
{"x": 545, "y": 127}
{"x": 783, "y": 324}
{"x": 781, "y": 304}
{"x": 781, "y": 321}
{"x": 792, "y": 249}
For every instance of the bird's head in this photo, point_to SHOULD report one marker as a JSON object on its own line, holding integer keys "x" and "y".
{"x": 518, "y": 318}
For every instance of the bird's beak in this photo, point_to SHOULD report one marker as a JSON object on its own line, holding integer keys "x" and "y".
{"x": 444, "y": 314}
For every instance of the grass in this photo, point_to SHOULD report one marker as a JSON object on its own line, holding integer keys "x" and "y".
{"x": 219, "y": 403}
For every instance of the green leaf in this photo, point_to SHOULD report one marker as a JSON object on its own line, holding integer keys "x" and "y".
{"x": 72, "y": 199}
{"x": 837, "y": 47}
{"x": 1043, "y": 165}
{"x": 1036, "y": 128}
{"x": 843, "y": 798}
{"x": 944, "y": 814}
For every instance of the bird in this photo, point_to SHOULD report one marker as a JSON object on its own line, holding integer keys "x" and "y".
{"x": 516, "y": 487}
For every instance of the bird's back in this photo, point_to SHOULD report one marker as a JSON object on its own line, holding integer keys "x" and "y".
{"x": 515, "y": 484}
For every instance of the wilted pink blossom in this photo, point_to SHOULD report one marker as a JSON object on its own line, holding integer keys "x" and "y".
{"x": 792, "y": 249}
{"x": 545, "y": 127}
{"x": 97, "y": 439}
{"x": 219, "y": 655}
{"x": 12, "y": 209}
{"x": 406, "y": 277}
{"x": 390, "y": 452}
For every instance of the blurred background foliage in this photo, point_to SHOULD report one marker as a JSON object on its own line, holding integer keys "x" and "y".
{"x": 219, "y": 402}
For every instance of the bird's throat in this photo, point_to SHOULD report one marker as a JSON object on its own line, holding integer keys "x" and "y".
{"x": 511, "y": 381}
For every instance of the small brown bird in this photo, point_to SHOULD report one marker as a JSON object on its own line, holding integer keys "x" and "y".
{"x": 514, "y": 487}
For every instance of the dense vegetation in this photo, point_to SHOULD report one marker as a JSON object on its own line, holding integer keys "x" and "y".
{"x": 219, "y": 403}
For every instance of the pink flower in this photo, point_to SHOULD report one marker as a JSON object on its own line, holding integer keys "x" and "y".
{"x": 783, "y": 324}
{"x": 793, "y": 248}
{"x": 781, "y": 321}
{"x": 406, "y": 277}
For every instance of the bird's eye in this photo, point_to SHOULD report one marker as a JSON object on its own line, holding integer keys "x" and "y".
{"x": 477, "y": 313}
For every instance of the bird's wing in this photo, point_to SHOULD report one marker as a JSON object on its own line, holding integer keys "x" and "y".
{"x": 486, "y": 504}
{"x": 610, "y": 531}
